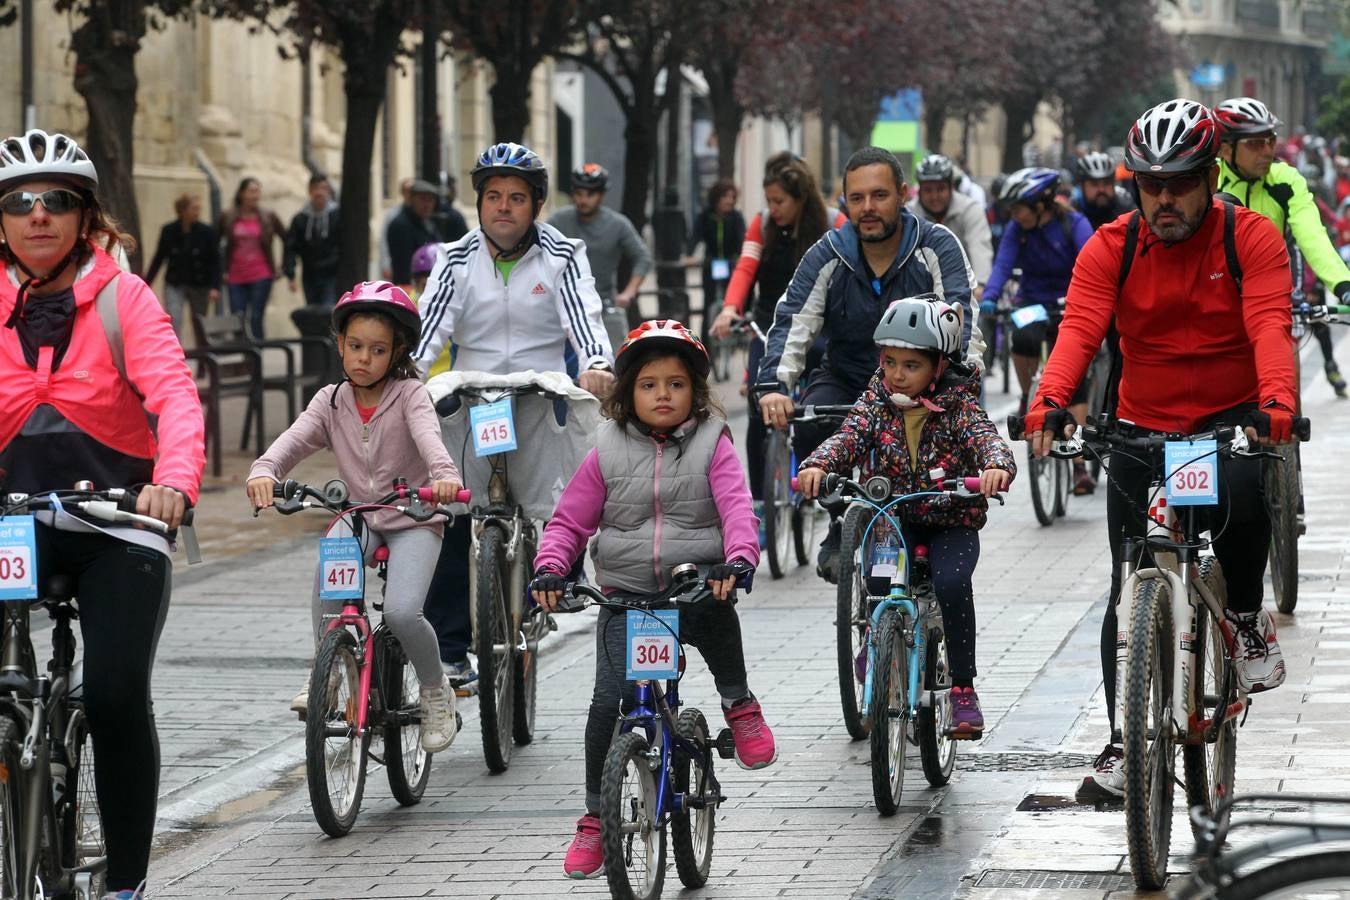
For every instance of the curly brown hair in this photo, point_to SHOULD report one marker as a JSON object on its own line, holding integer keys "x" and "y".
{"x": 618, "y": 406}
{"x": 797, "y": 180}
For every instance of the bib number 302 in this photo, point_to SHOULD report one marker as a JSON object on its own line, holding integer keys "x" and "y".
{"x": 494, "y": 428}
{"x": 1192, "y": 473}
{"x": 653, "y": 650}
{"x": 18, "y": 554}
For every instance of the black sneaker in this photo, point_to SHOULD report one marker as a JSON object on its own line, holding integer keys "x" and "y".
{"x": 1337, "y": 380}
{"x": 827, "y": 560}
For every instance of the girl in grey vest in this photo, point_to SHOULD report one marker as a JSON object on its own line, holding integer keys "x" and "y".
{"x": 662, "y": 487}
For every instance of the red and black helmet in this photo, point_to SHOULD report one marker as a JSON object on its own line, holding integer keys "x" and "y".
{"x": 662, "y": 334}
{"x": 1176, "y": 136}
{"x": 1243, "y": 117}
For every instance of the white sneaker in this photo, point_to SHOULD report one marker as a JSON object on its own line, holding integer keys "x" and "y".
{"x": 1257, "y": 660}
{"x": 439, "y": 724}
{"x": 1107, "y": 781}
{"x": 300, "y": 702}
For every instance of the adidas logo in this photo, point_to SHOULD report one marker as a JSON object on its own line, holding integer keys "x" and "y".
{"x": 539, "y": 289}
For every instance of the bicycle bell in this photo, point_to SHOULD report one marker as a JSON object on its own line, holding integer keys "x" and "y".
{"x": 682, "y": 572}
{"x": 878, "y": 488}
{"x": 335, "y": 491}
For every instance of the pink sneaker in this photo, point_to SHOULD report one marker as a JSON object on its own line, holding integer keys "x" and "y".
{"x": 755, "y": 747}
{"x": 585, "y": 858}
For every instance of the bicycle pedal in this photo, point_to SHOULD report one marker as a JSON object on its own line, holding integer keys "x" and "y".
{"x": 965, "y": 735}
{"x": 725, "y": 744}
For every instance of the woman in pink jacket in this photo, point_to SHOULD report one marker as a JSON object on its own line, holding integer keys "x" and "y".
{"x": 70, "y": 412}
{"x": 380, "y": 425}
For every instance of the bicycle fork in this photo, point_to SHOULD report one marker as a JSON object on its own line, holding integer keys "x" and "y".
{"x": 35, "y": 760}
{"x": 915, "y": 642}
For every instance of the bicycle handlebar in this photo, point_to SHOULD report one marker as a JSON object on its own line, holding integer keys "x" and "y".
{"x": 115, "y": 505}
{"x": 334, "y": 498}
{"x": 1111, "y": 434}
{"x": 878, "y": 487}
{"x": 688, "y": 588}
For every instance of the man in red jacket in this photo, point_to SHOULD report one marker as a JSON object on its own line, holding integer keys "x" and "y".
{"x": 1202, "y": 344}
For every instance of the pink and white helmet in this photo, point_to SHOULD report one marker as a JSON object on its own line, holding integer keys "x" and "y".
{"x": 379, "y": 296}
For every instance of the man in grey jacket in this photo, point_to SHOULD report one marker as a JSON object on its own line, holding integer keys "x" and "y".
{"x": 940, "y": 203}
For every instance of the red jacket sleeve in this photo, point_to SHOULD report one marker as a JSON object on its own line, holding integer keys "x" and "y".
{"x": 1088, "y": 307}
{"x": 1266, "y": 286}
{"x": 738, "y": 291}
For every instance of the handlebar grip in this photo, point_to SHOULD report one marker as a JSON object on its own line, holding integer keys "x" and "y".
{"x": 831, "y": 482}
{"x": 971, "y": 484}
{"x": 428, "y": 495}
{"x": 1302, "y": 428}
{"x": 795, "y": 485}
{"x": 1016, "y": 428}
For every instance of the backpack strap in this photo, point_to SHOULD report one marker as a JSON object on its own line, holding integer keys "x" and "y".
{"x": 1230, "y": 245}
{"x": 1131, "y": 245}
{"x": 106, "y": 304}
{"x": 1112, "y": 337}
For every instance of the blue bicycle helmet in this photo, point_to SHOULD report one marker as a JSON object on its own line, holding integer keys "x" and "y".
{"x": 1032, "y": 185}
{"x": 509, "y": 158}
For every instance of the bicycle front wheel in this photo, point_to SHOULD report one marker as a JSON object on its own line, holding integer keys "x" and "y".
{"x": 890, "y": 712}
{"x": 937, "y": 750}
{"x": 11, "y": 818}
{"x": 1063, "y": 486}
{"x": 1318, "y": 876}
{"x": 631, "y": 832}
{"x": 1042, "y": 479}
{"x": 81, "y": 822}
{"x": 850, "y": 621}
{"x": 1150, "y": 751}
{"x": 335, "y": 753}
{"x": 406, "y": 763}
{"x": 495, "y": 644}
{"x": 692, "y": 828}
{"x": 1282, "y": 491}
{"x": 776, "y": 494}
{"x": 1210, "y": 766}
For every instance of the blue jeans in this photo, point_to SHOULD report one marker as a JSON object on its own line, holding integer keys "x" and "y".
{"x": 320, "y": 290}
{"x": 250, "y": 299}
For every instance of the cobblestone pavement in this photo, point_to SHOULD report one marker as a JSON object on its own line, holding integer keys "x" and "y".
{"x": 235, "y": 819}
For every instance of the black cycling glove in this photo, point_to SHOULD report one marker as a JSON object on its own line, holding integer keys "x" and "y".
{"x": 736, "y": 568}
{"x": 547, "y": 580}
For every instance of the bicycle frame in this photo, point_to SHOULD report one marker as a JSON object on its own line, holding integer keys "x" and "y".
{"x": 655, "y": 715}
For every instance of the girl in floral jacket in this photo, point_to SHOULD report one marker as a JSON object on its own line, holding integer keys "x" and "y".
{"x": 919, "y": 414}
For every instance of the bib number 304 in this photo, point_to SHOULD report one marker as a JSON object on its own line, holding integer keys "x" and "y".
{"x": 653, "y": 650}
{"x": 18, "y": 556}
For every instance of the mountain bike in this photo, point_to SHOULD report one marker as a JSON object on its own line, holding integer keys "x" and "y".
{"x": 893, "y": 636}
{"x": 51, "y": 832}
{"x": 659, "y": 769}
{"x": 361, "y": 680}
{"x": 1177, "y": 688}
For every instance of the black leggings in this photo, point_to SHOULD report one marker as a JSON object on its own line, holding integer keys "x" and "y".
{"x": 952, "y": 555}
{"x": 715, "y": 630}
{"x": 1241, "y": 521}
{"x": 123, "y": 592}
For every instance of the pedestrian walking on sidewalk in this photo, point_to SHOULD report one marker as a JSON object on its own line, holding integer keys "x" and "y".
{"x": 190, "y": 249}
{"x": 663, "y": 455}
{"x": 380, "y": 425}
{"x": 313, "y": 241}
{"x": 249, "y": 230}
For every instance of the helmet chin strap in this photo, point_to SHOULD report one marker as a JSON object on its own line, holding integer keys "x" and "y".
{"x": 40, "y": 281}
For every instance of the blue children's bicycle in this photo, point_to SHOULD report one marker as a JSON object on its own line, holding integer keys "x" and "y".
{"x": 659, "y": 769}
{"x": 902, "y": 660}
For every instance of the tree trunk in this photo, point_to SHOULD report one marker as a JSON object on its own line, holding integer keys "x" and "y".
{"x": 105, "y": 76}
{"x": 727, "y": 117}
{"x": 1018, "y": 114}
{"x": 367, "y": 58}
{"x": 639, "y": 154}
{"x": 429, "y": 115}
{"x": 511, "y": 103}
{"x": 934, "y": 118}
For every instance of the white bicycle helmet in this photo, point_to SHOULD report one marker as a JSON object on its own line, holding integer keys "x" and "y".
{"x": 1175, "y": 136}
{"x": 1244, "y": 116}
{"x": 38, "y": 154}
{"x": 935, "y": 167}
{"x": 1095, "y": 165}
{"x": 922, "y": 322}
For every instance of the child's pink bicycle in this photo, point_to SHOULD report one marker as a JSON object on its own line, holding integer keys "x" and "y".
{"x": 361, "y": 681}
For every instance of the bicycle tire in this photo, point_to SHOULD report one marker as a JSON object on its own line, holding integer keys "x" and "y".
{"x": 334, "y": 692}
{"x": 1330, "y": 869}
{"x": 1063, "y": 486}
{"x": 691, "y": 836}
{"x": 805, "y": 519}
{"x": 889, "y": 712}
{"x": 850, "y": 621}
{"x": 1282, "y": 490}
{"x": 83, "y": 842}
{"x": 1210, "y": 768}
{"x": 1005, "y": 355}
{"x": 406, "y": 764}
{"x": 776, "y": 494}
{"x": 11, "y": 810}
{"x": 525, "y": 686}
{"x": 496, "y": 667}
{"x": 1148, "y": 696}
{"x": 937, "y": 751}
{"x": 624, "y": 836}
{"x": 1041, "y": 479}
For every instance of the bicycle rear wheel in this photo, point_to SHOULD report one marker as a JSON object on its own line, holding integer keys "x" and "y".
{"x": 692, "y": 829}
{"x": 11, "y": 818}
{"x": 1041, "y": 478}
{"x": 406, "y": 763}
{"x": 1320, "y": 875}
{"x": 335, "y": 754}
{"x": 890, "y": 712}
{"x": 633, "y": 837}
{"x": 850, "y": 621}
{"x": 1150, "y": 752}
{"x": 1209, "y": 767}
{"x": 937, "y": 750}
{"x": 495, "y": 646}
{"x": 81, "y": 821}
{"x": 1282, "y": 492}
{"x": 776, "y": 494}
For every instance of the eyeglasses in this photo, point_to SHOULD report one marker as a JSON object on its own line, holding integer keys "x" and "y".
{"x": 54, "y": 201}
{"x": 1177, "y": 185}
{"x": 1255, "y": 143}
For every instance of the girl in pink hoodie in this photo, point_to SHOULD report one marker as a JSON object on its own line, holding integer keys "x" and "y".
{"x": 380, "y": 425}
{"x": 662, "y": 487}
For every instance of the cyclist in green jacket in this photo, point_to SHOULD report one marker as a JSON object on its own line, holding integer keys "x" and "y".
{"x": 1249, "y": 171}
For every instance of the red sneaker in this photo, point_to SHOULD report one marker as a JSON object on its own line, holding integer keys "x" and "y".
{"x": 585, "y": 858}
{"x": 755, "y": 747}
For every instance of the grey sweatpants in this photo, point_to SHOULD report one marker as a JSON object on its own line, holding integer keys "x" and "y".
{"x": 412, "y": 560}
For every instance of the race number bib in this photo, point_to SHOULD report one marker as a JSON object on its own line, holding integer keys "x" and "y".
{"x": 653, "y": 651}
{"x": 720, "y": 269}
{"x": 18, "y": 553}
{"x": 342, "y": 571}
{"x": 1192, "y": 470}
{"x": 494, "y": 428}
{"x": 1028, "y": 314}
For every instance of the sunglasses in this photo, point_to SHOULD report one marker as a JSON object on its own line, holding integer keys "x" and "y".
{"x": 55, "y": 201}
{"x": 1269, "y": 140}
{"x": 1177, "y": 185}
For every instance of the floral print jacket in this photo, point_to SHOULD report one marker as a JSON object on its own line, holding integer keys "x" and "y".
{"x": 960, "y": 440}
